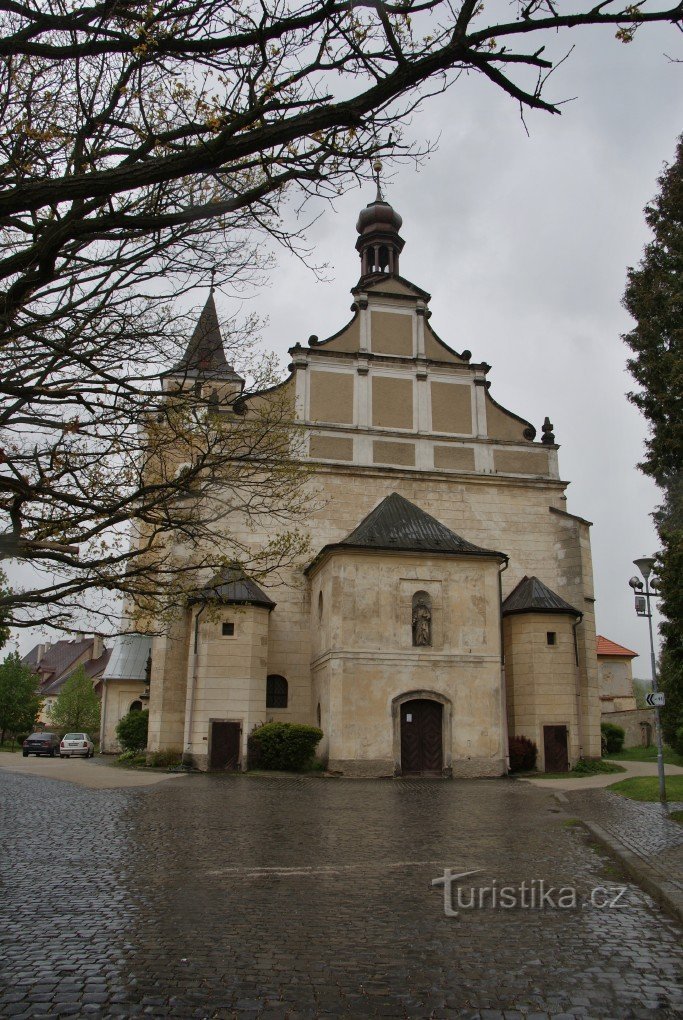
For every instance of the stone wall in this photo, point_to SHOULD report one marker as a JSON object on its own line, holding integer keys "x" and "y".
{"x": 631, "y": 722}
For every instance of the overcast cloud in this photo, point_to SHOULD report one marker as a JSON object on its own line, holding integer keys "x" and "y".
{"x": 523, "y": 243}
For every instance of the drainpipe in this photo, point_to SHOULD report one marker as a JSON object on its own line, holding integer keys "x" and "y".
{"x": 189, "y": 711}
{"x": 103, "y": 715}
{"x": 503, "y": 690}
{"x": 579, "y": 708}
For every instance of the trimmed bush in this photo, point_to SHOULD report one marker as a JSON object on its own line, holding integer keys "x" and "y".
{"x": 286, "y": 746}
{"x": 523, "y": 754}
{"x": 131, "y": 731}
{"x": 614, "y": 737}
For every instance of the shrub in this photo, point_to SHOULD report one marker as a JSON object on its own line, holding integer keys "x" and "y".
{"x": 163, "y": 759}
{"x": 131, "y": 758}
{"x": 523, "y": 754}
{"x": 678, "y": 741}
{"x": 286, "y": 746}
{"x": 614, "y": 737}
{"x": 131, "y": 731}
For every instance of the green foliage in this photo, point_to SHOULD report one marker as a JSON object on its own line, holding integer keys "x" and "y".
{"x": 678, "y": 741}
{"x": 669, "y": 755}
{"x": 163, "y": 759}
{"x": 131, "y": 758}
{"x": 523, "y": 754}
{"x": 671, "y": 682}
{"x": 131, "y": 731}
{"x": 77, "y": 706}
{"x": 647, "y": 788}
{"x": 19, "y": 696}
{"x": 640, "y": 689}
{"x": 286, "y": 746}
{"x": 654, "y": 297}
{"x": 614, "y": 737}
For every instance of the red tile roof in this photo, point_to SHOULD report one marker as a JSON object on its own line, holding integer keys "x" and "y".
{"x": 607, "y": 647}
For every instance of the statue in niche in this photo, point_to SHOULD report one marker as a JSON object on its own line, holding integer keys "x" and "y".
{"x": 422, "y": 620}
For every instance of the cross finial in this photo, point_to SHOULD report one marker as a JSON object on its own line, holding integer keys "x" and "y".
{"x": 377, "y": 169}
{"x": 213, "y": 279}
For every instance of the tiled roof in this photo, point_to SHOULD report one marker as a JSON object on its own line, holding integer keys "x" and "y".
{"x": 205, "y": 354}
{"x": 607, "y": 647}
{"x": 398, "y": 524}
{"x": 233, "y": 588}
{"x": 93, "y": 669}
{"x": 57, "y": 658}
{"x": 532, "y": 596}
{"x": 129, "y": 657}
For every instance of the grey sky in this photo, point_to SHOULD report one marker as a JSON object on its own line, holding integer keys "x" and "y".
{"x": 523, "y": 243}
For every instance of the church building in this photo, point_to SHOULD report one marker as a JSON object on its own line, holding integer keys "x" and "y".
{"x": 447, "y": 601}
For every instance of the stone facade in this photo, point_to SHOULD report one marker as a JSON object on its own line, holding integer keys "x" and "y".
{"x": 388, "y": 408}
{"x": 615, "y": 677}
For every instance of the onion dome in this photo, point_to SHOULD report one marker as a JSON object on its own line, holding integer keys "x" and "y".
{"x": 380, "y": 243}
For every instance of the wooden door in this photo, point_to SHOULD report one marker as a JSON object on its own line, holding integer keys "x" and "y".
{"x": 555, "y": 749}
{"x": 421, "y": 738}
{"x": 225, "y": 745}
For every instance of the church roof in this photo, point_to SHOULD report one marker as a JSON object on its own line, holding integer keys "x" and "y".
{"x": 532, "y": 596}
{"x": 205, "y": 355}
{"x": 232, "y": 587}
{"x": 397, "y": 524}
{"x": 606, "y": 647}
{"x": 129, "y": 657}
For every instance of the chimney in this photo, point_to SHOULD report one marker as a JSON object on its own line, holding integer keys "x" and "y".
{"x": 97, "y": 646}
{"x": 42, "y": 649}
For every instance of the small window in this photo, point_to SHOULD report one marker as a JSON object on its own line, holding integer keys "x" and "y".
{"x": 136, "y": 707}
{"x": 318, "y": 716}
{"x": 276, "y": 691}
{"x": 320, "y": 606}
{"x": 551, "y": 637}
{"x": 228, "y": 629}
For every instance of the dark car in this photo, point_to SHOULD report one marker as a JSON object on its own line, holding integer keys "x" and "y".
{"x": 41, "y": 743}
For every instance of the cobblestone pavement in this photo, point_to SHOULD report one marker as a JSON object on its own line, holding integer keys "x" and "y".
{"x": 639, "y": 825}
{"x": 238, "y": 896}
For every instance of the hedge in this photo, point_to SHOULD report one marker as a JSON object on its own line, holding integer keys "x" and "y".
{"x": 613, "y": 737}
{"x": 285, "y": 746}
{"x": 131, "y": 731}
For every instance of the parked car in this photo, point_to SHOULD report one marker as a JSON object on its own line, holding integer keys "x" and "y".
{"x": 79, "y": 744}
{"x": 41, "y": 743}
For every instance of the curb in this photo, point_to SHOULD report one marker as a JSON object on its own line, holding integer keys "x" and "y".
{"x": 665, "y": 893}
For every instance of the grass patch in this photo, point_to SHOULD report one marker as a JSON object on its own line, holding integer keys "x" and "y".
{"x": 647, "y": 754}
{"x": 647, "y": 788}
{"x": 581, "y": 770}
{"x": 677, "y": 816}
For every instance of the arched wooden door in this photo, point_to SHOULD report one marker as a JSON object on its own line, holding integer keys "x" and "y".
{"x": 421, "y": 738}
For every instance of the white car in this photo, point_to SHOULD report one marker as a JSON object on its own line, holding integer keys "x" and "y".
{"x": 78, "y": 744}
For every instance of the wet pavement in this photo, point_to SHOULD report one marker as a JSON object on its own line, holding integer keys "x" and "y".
{"x": 225, "y": 896}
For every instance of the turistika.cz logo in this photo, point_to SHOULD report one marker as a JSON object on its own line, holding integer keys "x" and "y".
{"x": 534, "y": 894}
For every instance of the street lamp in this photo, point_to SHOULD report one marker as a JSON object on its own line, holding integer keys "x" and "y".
{"x": 643, "y": 608}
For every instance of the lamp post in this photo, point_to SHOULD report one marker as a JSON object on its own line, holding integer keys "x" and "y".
{"x": 645, "y": 565}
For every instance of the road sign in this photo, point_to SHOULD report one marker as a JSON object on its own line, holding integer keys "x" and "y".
{"x": 655, "y": 700}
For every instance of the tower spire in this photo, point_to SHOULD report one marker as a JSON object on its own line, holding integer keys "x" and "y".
{"x": 380, "y": 243}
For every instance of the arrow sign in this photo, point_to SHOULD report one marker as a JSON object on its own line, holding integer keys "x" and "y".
{"x": 655, "y": 700}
